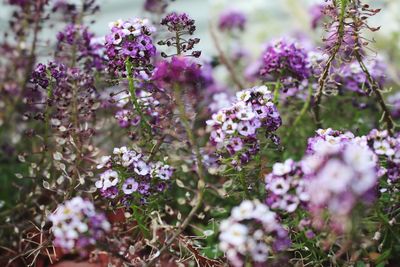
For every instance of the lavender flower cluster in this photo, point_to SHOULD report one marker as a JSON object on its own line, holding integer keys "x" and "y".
{"x": 129, "y": 40}
{"x": 235, "y": 129}
{"x": 285, "y": 62}
{"x": 77, "y": 225}
{"x": 178, "y": 71}
{"x": 338, "y": 171}
{"x": 129, "y": 178}
{"x": 340, "y": 175}
{"x": 286, "y": 187}
{"x": 231, "y": 20}
{"x": 387, "y": 148}
{"x": 352, "y": 77}
{"x": 81, "y": 41}
{"x": 179, "y": 22}
{"x": 252, "y": 231}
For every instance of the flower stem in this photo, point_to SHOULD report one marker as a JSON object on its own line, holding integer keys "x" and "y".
{"x": 302, "y": 111}
{"x": 132, "y": 92}
{"x": 200, "y": 172}
{"x": 276, "y": 91}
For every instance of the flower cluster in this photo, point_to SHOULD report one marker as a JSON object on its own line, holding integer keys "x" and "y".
{"x": 179, "y": 71}
{"x": 286, "y": 187}
{"x": 340, "y": 172}
{"x": 231, "y": 20}
{"x": 155, "y": 6}
{"x": 77, "y": 225}
{"x": 79, "y": 39}
{"x": 353, "y": 78}
{"x": 394, "y": 101}
{"x": 328, "y": 139}
{"x": 252, "y": 231}
{"x": 128, "y": 177}
{"x": 287, "y": 62}
{"x": 179, "y": 23}
{"x": 388, "y": 148}
{"x": 129, "y": 40}
{"x": 235, "y": 129}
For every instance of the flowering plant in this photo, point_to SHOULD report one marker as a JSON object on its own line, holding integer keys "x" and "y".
{"x": 149, "y": 147}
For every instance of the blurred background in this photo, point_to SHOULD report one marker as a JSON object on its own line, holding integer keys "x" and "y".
{"x": 266, "y": 18}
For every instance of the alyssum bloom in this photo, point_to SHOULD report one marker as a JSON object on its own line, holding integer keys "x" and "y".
{"x": 128, "y": 175}
{"x": 77, "y": 225}
{"x": 235, "y": 129}
{"x": 252, "y": 231}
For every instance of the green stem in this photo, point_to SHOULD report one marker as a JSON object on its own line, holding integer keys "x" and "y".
{"x": 302, "y": 111}
{"x": 242, "y": 179}
{"x": 276, "y": 92}
{"x": 132, "y": 92}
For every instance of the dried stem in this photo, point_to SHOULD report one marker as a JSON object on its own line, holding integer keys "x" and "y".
{"x": 325, "y": 72}
{"x": 224, "y": 60}
{"x": 199, "y": 164}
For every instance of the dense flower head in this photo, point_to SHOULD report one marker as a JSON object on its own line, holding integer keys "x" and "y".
{"x": 155, "y": 6}
{"x": 77, "y": 225}
{"x": 341, "y": 171}
{"x": 180, "y": 71}
{"x": 129, "y": 40}
{"x": 388, "y": 148}
{"x": 80, "y": 39}
{"x": 64, "y": 80}
{"x": 231, "y": 20}
{"x": 235, "y": 129}
{"x": 43, "y": 74}
{"x": 252, "y": 231}
{"x": 179, "y": 22}
{"x": 128, "y": 175}
{"x": 326, "y": 139}
{"x": 285, "y": 186}
{"x": 352, "y": 77}
{"x": 394, "y": 101}
{"x": 287, "y": 62}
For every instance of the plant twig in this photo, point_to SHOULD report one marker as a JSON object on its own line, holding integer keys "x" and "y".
{"x": 224, "y": 60}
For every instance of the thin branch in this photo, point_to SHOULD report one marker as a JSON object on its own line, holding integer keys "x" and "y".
{"x": 224, "y": 60}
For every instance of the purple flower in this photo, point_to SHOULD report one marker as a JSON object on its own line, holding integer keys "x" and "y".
{"x": 179, "y": 22}
{"x": 235, "y": 128}
{"x": 129, "y": 40}
{"x": 180, "y": 70}
{"x": 232, "y": 19}
{"x": 130, "y": 186}
{"x": 77, "y": 225}
{"x": 287, "y": 62}
{"x": 155, "y": 6}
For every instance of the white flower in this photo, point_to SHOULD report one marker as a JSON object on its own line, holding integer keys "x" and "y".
{"x": 103, "y": 161}
{"x": 243, "y": 95}
{"x": 260, "y": 252}
{"x": 282, "y": 168}
{"x": 219, "y": 117}
{"x": 279, "y": 186}
{"x": 107, "y": 179}
{"x": 336, "y": 175}
{"x": 236, "y": 234}
{"x": 360, "y": 158}
{"x": 383, "y": 148}
{"x": 229, "y": 126}
{"x": 243, "y": 211}
{"x": 244, "y": 112}
{"x": 262, "y": 90}
{"x": 117, "y": 24}
{"x": 141, "y": 168}
{"x": 120, "y": 150}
